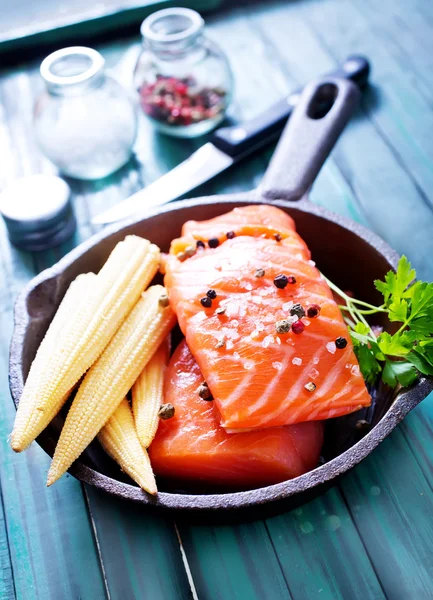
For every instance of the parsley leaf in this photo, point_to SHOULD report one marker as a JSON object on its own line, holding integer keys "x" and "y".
{"x": 400, "y": 357}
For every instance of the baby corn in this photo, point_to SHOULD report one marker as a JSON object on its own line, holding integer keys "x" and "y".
{"x": 84, "y": 335}
{"x": 70, "y": 304}
{"x": 119, "y": 439}
{"x": 112, "y": 376}
{"x": 147, "y": 395}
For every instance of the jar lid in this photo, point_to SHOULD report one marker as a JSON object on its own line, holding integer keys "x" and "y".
{"x": 172, "y": 28}
{"x": 37, "y": 211}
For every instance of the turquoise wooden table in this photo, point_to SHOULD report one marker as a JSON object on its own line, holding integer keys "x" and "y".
{"x": 371, "y": 536}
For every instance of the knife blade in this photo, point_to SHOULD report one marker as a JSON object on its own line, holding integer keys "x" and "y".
{"x": 226, "y": 146}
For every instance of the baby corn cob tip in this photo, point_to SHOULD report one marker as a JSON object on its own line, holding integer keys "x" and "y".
{"x": 85, "y": 333}
{"x": 119, "y": 439}
{"x": 147, "y": 395}
{"x": 108, "y": 381}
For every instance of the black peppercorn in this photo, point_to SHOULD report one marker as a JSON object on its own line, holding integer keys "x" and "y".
{"x": 230, "y": 235}
{"x": 341, "y": 343}
{"x": 281, "y": 282}
{"x": 213, "y": 242}
{"x": 277, "y": 237}
{"x": 298, "y": 310}
{"x": 206, "y": 302}
{"x": 211, "y": 294}
{"x": 200, "y": 244}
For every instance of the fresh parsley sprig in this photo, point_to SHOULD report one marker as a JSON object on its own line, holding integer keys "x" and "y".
{"x": 401, "y": 357}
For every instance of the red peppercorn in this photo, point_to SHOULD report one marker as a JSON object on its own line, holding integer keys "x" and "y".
{"x": 230, "y": 235}
{"x": 291, "y": 279}
{"x": 298, "y": 327}
{"x": 313, "y": 310}
{"x": 277, "y": 237}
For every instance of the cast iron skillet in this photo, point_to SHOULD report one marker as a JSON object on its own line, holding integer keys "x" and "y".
{"x": 346, "y": 252}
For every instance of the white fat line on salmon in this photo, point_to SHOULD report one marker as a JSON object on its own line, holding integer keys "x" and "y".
{"x": 286, "y": 402}
{"x": 237, "y": 392}
{"x": 252, "y": 408}
{"x": 333, "y": 411}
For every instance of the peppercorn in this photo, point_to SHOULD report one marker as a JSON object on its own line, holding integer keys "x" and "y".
{"x": 313, "y": 311}
{"x": 166, "y": 411}
{"x": 187, "y": 253}
{"x": 220, "y": 310}
{"x": 341, "y": 343}
{"x": 281, "y": 282}
{"x": 163, "y": 300}
{"x": 291, "y": 279}
{"x": 206, "y": 302}
{"x": 259, "y": 273}
{"x": 283, "y": 326}
{"x": 200, "y": 244}
{"x": 213, "y": 242}
{"x": 310, "y": 386}
{"x": 230, "y": 235}
{"x": 277, "y": 237}
{"x": 204, "y": 392}
{"x": 298, "y": 310}
{"x": 211, "y": 294}
{"x": 298, "y": 327}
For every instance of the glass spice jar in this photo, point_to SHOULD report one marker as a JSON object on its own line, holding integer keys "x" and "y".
{"x": 183, "y": 79}
{"x": 85, "y": 122}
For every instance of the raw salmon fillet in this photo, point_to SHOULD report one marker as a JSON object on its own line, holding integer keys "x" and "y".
{"x": 260, "y": 378}
{"x": 192, "y": 445}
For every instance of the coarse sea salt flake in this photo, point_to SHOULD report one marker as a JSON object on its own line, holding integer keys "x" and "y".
{"x": 256, "y": 299}
{"x": 229, "y": 345}
{"x": 312, "y": 263}
{"x": 315, "y": 360}
{"x": 355, "y": 370}
{"x": 254, "y": 334}
{"x": 260, "y": 327}
{"x": 297, "y": 361}
{"x": 236, "y": 355}
{"x": 277, "y": 365}
{"x": 287, "y": 306}
{"x": 331, "y": 347}
{"x": 278, "y": 341}
{"x": 314, "y": 373}
{"x": 269, "y": 339}
{"x": 248, "y": 364}
{"x": 248, "y": 286}
{"x": 234, "y": 323}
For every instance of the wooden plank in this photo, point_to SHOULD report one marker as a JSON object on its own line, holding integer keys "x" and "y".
{"x": 236, "y": 562}
{"x": 321, "y": 553}
{"x": 7, "y": 584}
{"x": 396, "y": 108}
{"x": 140, "y": 554}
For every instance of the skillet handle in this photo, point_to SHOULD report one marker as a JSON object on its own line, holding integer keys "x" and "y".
{"x": 321, "y": 114}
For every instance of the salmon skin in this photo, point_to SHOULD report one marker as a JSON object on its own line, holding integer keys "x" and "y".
{"x": 258, "y": 377}
{"x": 193, "y": 446}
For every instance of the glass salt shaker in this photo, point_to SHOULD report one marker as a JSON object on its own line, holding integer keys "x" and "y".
{"x": 183, "y": 79}
{"x": 85, "y": 122}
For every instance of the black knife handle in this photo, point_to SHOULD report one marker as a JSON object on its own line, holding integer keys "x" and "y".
{"x": 243, "y": 138}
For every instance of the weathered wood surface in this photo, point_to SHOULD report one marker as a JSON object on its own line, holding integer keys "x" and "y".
{"x": 369, "y": 537}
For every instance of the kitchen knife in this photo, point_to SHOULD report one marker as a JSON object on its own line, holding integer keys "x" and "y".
{"x": 226, "y": 146}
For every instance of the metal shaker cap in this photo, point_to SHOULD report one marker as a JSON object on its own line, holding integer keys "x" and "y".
{"x": 37, "y": 211}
